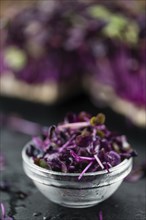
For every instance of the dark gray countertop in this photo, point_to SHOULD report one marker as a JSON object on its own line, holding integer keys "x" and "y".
{"x": 23, "y": 200}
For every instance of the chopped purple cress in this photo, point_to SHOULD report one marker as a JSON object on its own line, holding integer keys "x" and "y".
{"x": 81, "y": 143}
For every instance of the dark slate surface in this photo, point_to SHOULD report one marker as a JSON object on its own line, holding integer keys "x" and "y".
{"x": 24, "y": 200}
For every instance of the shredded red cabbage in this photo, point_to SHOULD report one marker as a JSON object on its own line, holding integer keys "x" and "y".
{"x": 81, "y": 143}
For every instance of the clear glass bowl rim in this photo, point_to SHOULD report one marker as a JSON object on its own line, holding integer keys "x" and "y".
{"x": 27, "y": 160}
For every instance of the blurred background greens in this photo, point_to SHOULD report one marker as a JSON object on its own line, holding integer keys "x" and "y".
{"x": 59, "y": 56}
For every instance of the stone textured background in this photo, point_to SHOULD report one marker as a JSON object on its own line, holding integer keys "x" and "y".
{"x": 25, "y": 202}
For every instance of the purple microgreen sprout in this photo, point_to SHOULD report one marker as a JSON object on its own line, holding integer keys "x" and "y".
{"x": 3, "y": 213}
{"x": 84, "y": 171}
{"x": 17, "y": 123}
{"x": 66, "y": 144}
{"x": 74, "y": 125}
{"x": 99, "y": 162}
{"x": 100, "y": 215}
{"x": 81, "y": 158}
{"x": 80, "y": 144}
{"x": 97, "y": 120}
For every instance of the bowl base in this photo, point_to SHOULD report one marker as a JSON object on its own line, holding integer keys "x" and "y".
{"x": 78, "y": 205}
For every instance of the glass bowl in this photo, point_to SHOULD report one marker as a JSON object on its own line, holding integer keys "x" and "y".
{"x": 65, "y": 189}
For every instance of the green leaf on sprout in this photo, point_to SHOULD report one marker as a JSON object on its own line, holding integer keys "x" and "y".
{"x": 97, "y": 120}
{"x": 100, "y": 118}
{"x": 41, "y": 162}
{"x": 100, "y": 133}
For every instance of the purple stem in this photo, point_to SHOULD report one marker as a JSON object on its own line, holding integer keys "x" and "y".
{"x": 100, "y": 215}
{"x": 3, "y": 211}
{"x": 84, "y": 171}
{"x": 74, "y": 125}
